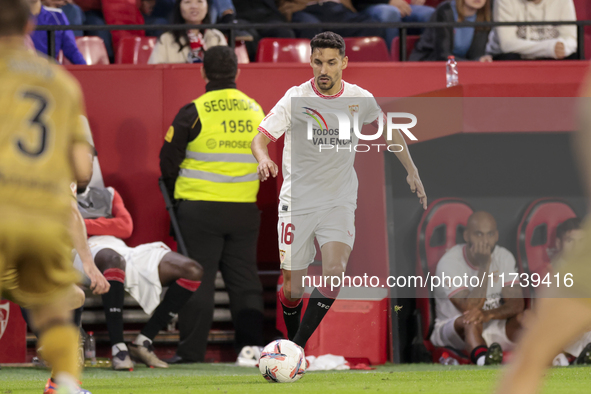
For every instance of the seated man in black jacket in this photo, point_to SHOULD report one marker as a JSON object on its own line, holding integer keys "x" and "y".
{"x": 261, "y": 11}
{"x": 465, "y": 43}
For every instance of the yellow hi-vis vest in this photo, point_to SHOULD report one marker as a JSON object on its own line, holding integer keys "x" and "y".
{"x": 219, "y": 165}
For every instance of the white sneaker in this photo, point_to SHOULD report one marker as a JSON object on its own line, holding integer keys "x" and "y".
{"x": 249, "y": 356}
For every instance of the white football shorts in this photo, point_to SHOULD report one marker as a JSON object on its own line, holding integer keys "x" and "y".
{"x": 297, "y": 233}
{"x": 142, "y": 280}
{"x": 444, "y": 334}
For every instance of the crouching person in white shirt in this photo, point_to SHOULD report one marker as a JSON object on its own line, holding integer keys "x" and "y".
{"x": 479, "y": 306}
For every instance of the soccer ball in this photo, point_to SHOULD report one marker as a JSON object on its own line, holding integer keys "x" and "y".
{"x": 282, "y": 361}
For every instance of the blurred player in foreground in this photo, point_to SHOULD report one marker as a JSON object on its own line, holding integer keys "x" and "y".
{"x": 42, "y": 149}
{"x": 558, "y": 321}
{"x": 568, "y": 236}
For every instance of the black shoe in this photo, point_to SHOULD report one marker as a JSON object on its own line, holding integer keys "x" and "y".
{"x": 494, "y": 355}
{"x": 585, "y": 357}
{"x": 176, "y": 359}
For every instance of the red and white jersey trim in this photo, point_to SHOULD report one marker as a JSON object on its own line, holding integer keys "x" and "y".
{"x": 265, "y": 132}
{"x": 325, "y": 96}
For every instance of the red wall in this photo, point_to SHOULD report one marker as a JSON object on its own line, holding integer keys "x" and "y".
{"x": 130, "y": 108}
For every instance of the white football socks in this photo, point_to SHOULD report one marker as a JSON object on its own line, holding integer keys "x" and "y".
{"x": 481, "y": 360}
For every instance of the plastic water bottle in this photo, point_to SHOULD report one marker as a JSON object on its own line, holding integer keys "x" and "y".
{"x": 445, "y": 359}
{"x": 451, "y": 72}
{"x": 90, "y": 348}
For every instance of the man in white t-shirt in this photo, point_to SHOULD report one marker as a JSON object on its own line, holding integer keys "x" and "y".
{"x": 479, "y": 304}
{"x": 533, "y": 42}
{"x": 319, "y": 192}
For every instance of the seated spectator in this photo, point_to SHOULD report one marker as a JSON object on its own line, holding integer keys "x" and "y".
{"x": 465, "y": 43}
{"x": 152, "y": 16}
{"x": 482, "y": 319}
{"x": 64, "y": 39}
{"x": 319, "y": 11}
{"x": 533, "y": 42}
{"x": 223, "y": 11}
{"x": 93, "y": 16}
{"x": 73, "y": 13}
{"x": 568, "y": 235}
{"x": 395, "y": 11}
{"x": 141, "y": 271}
{"x": 187, "y": 46}
{"x": 261, "y": 11}
{"x": 113, "y": 12}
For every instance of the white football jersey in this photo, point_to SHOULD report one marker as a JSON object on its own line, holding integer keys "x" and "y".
{"x": 316, "y": 176}
{"x": 455, "y": 263}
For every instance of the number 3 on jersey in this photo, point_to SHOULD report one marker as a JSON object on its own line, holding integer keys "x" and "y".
{"x": 287, "y": 233}
{"x": 26, "y": 145}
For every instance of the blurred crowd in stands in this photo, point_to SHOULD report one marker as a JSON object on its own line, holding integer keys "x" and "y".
{"x": 188, "y": 46}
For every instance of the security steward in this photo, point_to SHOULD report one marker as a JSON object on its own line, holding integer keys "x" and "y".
{"x": 208, "y": 168}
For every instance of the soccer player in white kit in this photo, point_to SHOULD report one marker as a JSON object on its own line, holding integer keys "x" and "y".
{"x": 323, "y": 203}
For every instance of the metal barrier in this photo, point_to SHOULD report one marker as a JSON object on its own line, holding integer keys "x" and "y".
{"x": 231, "y": 27}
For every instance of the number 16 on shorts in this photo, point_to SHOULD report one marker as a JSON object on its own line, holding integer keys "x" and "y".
{"x": 285, "y": 230}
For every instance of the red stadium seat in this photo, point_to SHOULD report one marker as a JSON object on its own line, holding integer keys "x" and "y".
{"x": 582, "y": 9}
{"x": 241, "y": 53}
{"x": 134, "y": 50}
{"x": 122, "y": 12}
{"x": 441, "y": 227}
{"x": 283, "y": 50}
{"x": 410, "y": 44}
{"x": 367, "y": 49}
{"x": 536, "y": 234}
{"x": 92, "y": 49}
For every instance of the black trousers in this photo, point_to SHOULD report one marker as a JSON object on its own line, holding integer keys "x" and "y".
{"x": 221, "y": 236}
{"x": 257, "y": 35}
{"x": 334, "y": 12}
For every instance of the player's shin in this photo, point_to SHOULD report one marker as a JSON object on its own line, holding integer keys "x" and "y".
{"x": 292, "y": 312}
{"x": 113, "y": 304}
{"x": 177, "y": 295}
{"x": 320, "y": 302}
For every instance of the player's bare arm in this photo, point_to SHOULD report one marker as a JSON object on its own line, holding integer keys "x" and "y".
{"x": 467, "y": 300}
{"x": 267, "y": 167}
{"x": 513, "y": 305}
{"x": 98, "y": 283}
{"x": 413, "y": 179}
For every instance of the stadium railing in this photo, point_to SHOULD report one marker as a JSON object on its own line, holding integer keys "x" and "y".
{"x": 403, "y": 26}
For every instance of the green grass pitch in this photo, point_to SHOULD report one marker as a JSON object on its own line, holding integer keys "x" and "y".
{"x": 229, "y": 379}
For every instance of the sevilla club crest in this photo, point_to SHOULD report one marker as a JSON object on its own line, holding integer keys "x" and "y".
{"x": 353, "y": 109}
{"x": 282, "y": 255}
{"x": 4, "y": 311}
